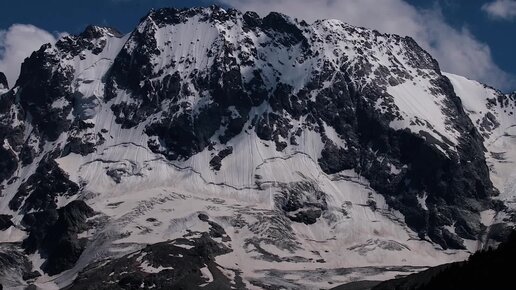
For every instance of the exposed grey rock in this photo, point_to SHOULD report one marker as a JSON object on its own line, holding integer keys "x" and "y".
{"x": 302, "y": 202}
{"x": 179, "y": 267}
{"x": 216, "y": 161}
{"x": 5, "y": 222}
{"x": 3, "y": 82}
{"x": 54, "y": 233}
{"x": 41, "y": 188}
{"x": 13, "y": 265}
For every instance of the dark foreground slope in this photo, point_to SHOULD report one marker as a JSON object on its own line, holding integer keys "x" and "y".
{"x": 491, "y": 269}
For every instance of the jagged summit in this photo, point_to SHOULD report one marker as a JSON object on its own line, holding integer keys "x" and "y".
{"x": 93, "y": 31}
{"x": 168, "y": 16}
{"x": 257, "y": 143}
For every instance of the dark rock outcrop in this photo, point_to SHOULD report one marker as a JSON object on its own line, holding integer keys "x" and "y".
{"x": 5, "y": 222}
{"x": 172, "y": 266}
{"x": 43, "y": 82}
{"x": 216, "y": 161}
{"x": 54, "y": 233}
{"x": 42, "y": 188}
{"x": 14, "y": 265}
{"x": 302, "y": 202}
{"x": 3, "y": 82}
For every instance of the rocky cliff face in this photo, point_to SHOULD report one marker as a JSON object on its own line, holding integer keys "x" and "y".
{"x": 3, "y": 82}
{"x": 256, "y": 141}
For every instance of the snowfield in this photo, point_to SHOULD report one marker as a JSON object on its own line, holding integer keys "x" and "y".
{"x": 141, "y": 197}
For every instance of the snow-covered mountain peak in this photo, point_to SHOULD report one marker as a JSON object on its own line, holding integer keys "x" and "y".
{"x": 267, "y": 141}
{"x": 188, "y": 43}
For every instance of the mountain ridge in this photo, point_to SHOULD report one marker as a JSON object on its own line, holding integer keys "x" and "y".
{"x": 273, "y": 134}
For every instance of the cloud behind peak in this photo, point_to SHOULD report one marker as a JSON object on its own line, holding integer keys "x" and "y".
{"x": 17, "y": 43}
{"x": 457, "y": 50}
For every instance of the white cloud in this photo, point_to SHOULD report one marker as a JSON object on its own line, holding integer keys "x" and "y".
{"x": 457, "y": 50}
{"x": 17, "y": 43}
{"x": 501, "y": 9}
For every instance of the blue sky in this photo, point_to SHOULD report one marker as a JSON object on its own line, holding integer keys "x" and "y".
{"x": 469, "y": 37}
{"x": 499, "y": 34}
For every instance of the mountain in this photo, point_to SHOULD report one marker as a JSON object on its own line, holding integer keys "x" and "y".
{"x": 215, "y": 148}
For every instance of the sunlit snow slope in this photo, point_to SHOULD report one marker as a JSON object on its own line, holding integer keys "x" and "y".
{"x": 232, "y": 151}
